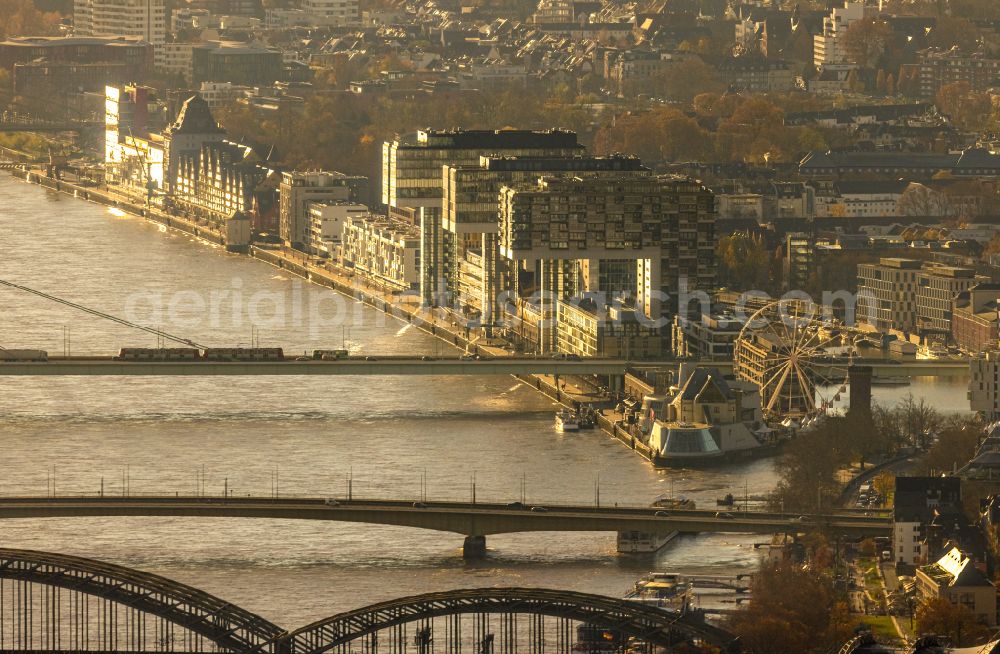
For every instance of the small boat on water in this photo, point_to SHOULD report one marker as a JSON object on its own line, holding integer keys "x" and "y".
{"x": 586, "y": 417}
{"x": 666, "y": 590}
{"x": 567, "y": 421}
{"x": 644, "y": 542}
{"x": 898, "y": 380}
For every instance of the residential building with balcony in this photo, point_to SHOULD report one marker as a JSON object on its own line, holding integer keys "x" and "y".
{"x": 383, "y": 251}
{"x": 326, "y": 225}
{"x": 910, "y": 296}
{"x": 709, "y": 338}
{"x": 298, "y": 190}
{"x": 412, "y": 179}
{"x": 588, "y": 329}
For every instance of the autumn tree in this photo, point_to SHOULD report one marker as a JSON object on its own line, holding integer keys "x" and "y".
{"x": 955, "y": 446}
{"x": 715, "y": 104}
{"x": 968, "y": 109}
{"x": 907, "y": 81}
{"x": 949, "y": 31}
{"x": 681, "y": 81}
{"x": 992, "y": 247}
{"x": 22, "y": 18}
{"x": 744, "y": 262}
{"x": 866, "y": 40}
{"x": 978, "y": 10}
{"x": 755, "y": 131}
{"x": 795, "y": 610}
{"x": 808, "y": 467}
{"x": 659, "y": 134}
{"x": 956, "y": 622}
{"x": 884, "y": 483}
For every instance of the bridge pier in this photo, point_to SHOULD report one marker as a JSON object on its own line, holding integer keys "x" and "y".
{"x": 474, "y": 548}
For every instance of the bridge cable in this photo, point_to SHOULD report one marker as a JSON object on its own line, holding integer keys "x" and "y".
{"x": 106, "y": 316}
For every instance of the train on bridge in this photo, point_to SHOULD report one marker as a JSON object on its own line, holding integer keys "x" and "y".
{"x": 164, "y": 354}
{"x": 183, "y": 354}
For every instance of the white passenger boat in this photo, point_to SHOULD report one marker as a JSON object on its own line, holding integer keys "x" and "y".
{"x": 567, "y": 421}
{"x": 666, "y": 590}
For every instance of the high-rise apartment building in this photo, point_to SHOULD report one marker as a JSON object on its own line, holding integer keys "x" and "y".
{"x": 828, "y": 47}
{"x": 469, "y": 214}
{"x": 143, "y": 18}
{"x": 666, "y": 225}
{"x": 412, "y": 179}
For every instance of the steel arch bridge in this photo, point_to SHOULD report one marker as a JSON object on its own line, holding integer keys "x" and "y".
{"x": 58, "y": 603}
{"x": 646, "y": 624}
{"x": 133, "y": 611}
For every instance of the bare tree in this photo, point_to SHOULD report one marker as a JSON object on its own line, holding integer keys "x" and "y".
{"x": 920, "y": 421}
{"x": 921, "y": 200}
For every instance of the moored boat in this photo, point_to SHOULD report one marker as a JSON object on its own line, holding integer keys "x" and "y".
{"x": 667, "y": 590}
{"x": 567, "y": 421}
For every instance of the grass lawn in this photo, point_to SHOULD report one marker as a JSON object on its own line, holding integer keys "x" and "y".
{"x": 869, "y": 568}
{"x": 881, "y": 626}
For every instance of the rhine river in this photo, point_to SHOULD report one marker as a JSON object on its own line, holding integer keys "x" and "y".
{"x": 166, "y": 435}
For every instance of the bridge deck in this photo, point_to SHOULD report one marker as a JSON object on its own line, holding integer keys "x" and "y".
{"x": 456, "y": 517}
{"x": 108, "y": 366}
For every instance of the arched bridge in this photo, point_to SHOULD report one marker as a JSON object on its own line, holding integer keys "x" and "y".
{"x": 58, "y": 603}
{"x": 623, "y": 619}
{"x": 135, "y": 610}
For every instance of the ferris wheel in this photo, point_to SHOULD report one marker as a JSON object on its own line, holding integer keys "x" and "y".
{"x": 791, "y": 353}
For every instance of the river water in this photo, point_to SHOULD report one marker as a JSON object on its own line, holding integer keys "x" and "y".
{"x": 167, "y": 435}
